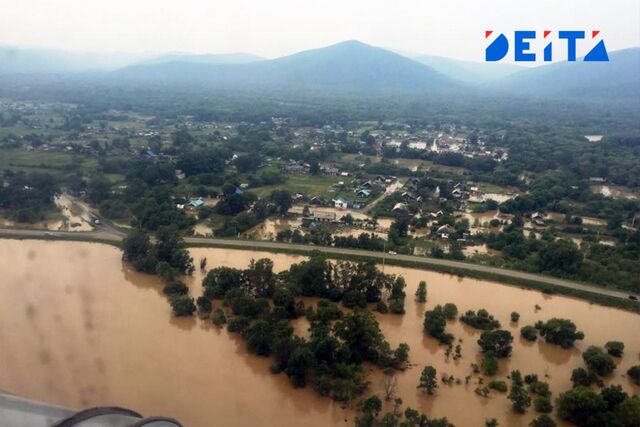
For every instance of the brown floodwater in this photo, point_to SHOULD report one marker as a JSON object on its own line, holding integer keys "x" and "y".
{"x": 79, "y": 328}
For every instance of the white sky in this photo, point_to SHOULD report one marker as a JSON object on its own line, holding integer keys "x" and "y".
{"x": 453, "y": 28}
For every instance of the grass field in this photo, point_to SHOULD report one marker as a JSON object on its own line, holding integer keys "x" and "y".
{"x": 320, "y": 185}
{"x": 53, "y": 162}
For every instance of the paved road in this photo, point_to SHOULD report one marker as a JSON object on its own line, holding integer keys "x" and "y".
{"x": 112, "y": 235}
{"x": 387, "y": 192}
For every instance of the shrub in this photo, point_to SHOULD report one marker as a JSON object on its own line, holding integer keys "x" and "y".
{"x": 497, "y": 343}
{"x": 204, "y": 304}
{"x": 450, "y": 311}
{"x": 489, "y": 364}
{"x": 175, "y": 288}
{"x": 543, "y": 420}
{"x": 183, "y": 305}
{"x": 238, "y": 324}
{"x": 529, "y": 333}
{"x": 634, "y": 374}
{"x": 614, "y": 348}
{"x": 498, "y": 385}
{"x": 561, "y": 332}
{"x": 542, "y": 404}
{"x": 218, "y": 318}
{"x": 598, "y": 361}
{"x": 480, "y": 320}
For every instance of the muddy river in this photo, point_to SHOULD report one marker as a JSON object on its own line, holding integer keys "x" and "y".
{"x": 78, "y": 328}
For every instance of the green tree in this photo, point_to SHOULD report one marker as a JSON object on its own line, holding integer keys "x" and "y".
{"x": 204, "y": 305}
{"x": 421, "y": 292}
{"x": 489, "y": 364}
{"x": 183, "y": 305}
{"x": 598, "y": 361}
{"x": 218, "y": 317}
{"x": 138, "y": 250}
{"x": 496, "y": 342}
{"x": 175, "y": 288}
{"x": 580, "y": 376}
{"x": 520, "y": 399}
{"x": 543, "y": 420}
{"x": 628, "y": 412}
{"x": 560, "y": 257}
{"x": 450, "y": 311}
{"x": 171, "y": 249}
{"x": 634, "y": 374}
{"x": 282, "y": 199}
{"x": 220, "y": 280}
{"x": 435, "y": 324}
{"x": 428, "y": 382}
{"x": 614, "y": 348}
{"x": 259, "y": 278}
{"x": 529, "y": 333}
{"x": 542, "y": 404}
{"x": 562, "y": 332}
{"x": 499, "y": 386}
{"x": 580, "y": 405}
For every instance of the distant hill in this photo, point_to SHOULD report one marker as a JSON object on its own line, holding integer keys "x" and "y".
{"x": 25, "y": 61}
{"x": 225, "y": 58}
{"x": 351, "y": 66}
{"x": 618, "y": 78}
{"x": 468, "y": 71}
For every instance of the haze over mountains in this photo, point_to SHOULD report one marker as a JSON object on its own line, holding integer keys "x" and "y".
{"x": 347, "y": 67}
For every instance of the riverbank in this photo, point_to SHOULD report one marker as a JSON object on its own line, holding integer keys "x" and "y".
{"x": 546, "y": 284}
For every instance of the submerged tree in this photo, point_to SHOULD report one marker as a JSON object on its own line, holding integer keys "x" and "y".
{"x": 421, "y": 292}
{"x": 520, "y": 399}
{"x": 435, "y": 324}
{"x": 598, "y": 361}
{"x": 183, "y": 305}
{"x": 428, "y": 382}
{"x": 562, "y": 332}
{"x": 497, "y": 343}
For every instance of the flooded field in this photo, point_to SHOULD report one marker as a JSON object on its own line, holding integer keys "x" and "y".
{"x": 616, "y": 191}
{"x": 79, "y": 328}
{"x": 269, "y": 229}
{"x": 74, "y": 215}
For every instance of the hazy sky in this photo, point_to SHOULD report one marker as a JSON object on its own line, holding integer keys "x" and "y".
{"x": 273, "y": 28}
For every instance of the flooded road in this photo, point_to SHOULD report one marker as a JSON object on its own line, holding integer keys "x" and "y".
{"x": 78, "y": 328}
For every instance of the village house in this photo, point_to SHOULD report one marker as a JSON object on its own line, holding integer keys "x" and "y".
{"x": 340, "y": 203}
{"x": 194, "y": 203}
{"x": 373, "y": 186}
{"x": 319, "y": 217}
{"x": 537, "y": 218}
{"x": 597, "y": 179}
{"x": 363, "y": 192}
{"x": 315, "y": 200}
{"x": 329, "y": 170}
{"x": 435, "y": 215}
{"x": 400, "y": 208}
{"x": 443, "y": 231}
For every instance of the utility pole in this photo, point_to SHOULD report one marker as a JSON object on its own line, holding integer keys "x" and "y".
{"x": 384, "y": 253}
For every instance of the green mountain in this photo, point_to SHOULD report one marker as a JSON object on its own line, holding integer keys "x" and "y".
{"x": 347, "y": 66}
{"x": 618, "y": 78}
{"x": 29, "y": 61}
{"x": 224, "y": 58}
{"x": 469, "y": 71}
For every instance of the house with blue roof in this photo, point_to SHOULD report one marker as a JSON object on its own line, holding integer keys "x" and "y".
{"x": 196, "y": 203}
